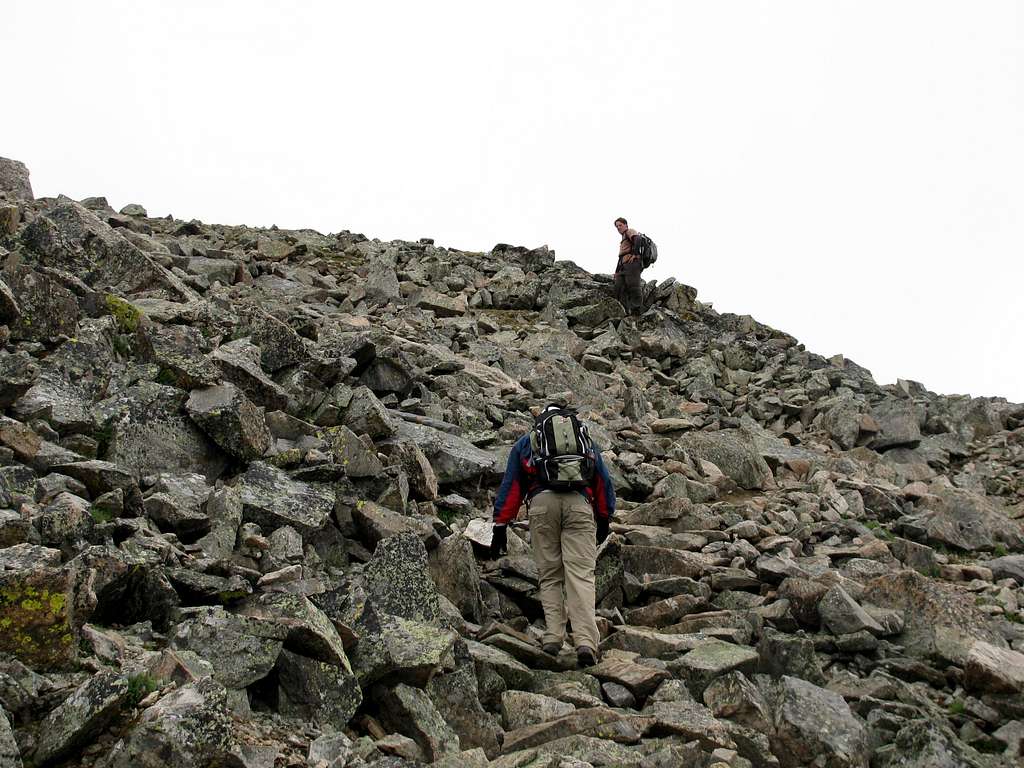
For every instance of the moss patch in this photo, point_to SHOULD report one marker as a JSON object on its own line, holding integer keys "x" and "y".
{"x": 126, "y": 313}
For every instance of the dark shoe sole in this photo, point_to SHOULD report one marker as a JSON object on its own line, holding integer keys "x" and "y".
{"x": 551, "y": 649}
{"x": 586, "y": 657}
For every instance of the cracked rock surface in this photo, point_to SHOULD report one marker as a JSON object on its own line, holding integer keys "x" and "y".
{"x": 246, "y": 478}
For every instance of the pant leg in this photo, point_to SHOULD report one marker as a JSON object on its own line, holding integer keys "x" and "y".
{"x": 619, "y": 287}
{"x": 545, "y": 511}
{"x": 579, "y": 559}
{"x": 633, "y": 288}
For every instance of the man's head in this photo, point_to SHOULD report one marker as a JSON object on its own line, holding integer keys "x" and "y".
{"x": 621, "y": 225}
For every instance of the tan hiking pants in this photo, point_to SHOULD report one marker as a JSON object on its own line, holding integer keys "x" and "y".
{"x": 564, "y": 539}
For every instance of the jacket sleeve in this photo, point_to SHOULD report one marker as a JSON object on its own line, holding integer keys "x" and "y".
{"x": 512, "y": 489}
{"x": 604, "y": 491}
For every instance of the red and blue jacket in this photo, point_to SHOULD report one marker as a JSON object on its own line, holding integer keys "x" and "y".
{"x": 521, "y": 482}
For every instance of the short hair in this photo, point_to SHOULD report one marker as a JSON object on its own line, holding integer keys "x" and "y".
{"x": 622, "y": 220}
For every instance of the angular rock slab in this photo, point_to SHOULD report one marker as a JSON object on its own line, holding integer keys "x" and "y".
{"x": 453, "y": 458}
{"x": 70, "y": 237}
{"x": 309, "y": 631}
{"x": 149, "y": 432}
{"x": 351, "y": 453}
{"x": 811, "y": 721}
{"x": 732, "y": 452}
{"x": 711, "y": 660}
{"x": 37, "y": 623}
{"x": 271, "y": 499}
{"x": 189, "y": 727}
{"x": 81, "y": 717}
{"x": 994, "y": 670}
{"x": 456, "y": 695}
{"x": 327, "y": 694}
{"x": 398, "y": 581}
{"x": 395, "y": 649}
{"x": 639, "y": 679}
{"x": 242, "y": 649}
{"x": 841, "y": 614}
{"x": 410, "y": 711}
{"x": 520, "y": 709}
{"x": 231, "y": 420}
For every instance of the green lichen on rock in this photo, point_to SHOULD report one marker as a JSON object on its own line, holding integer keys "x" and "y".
{"x": 126, "y": 313}
{"x": 36, "y": 623}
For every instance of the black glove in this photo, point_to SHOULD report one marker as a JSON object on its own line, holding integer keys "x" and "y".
{"x": 602, "y": 529}
{"x": 499, "y": 540}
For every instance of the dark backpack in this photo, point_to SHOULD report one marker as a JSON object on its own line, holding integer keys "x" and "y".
{"x": 647, "y": 250}
{"x": 562, "y": 450}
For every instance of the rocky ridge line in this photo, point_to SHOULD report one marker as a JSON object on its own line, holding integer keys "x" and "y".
{"x": 245, "y": 484}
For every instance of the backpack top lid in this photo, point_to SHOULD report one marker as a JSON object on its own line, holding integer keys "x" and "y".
{"x": 562, "y": 449}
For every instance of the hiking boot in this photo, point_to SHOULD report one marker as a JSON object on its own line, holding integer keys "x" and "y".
{"x": 586, "y": 657}
{"x": 551, "y": 649}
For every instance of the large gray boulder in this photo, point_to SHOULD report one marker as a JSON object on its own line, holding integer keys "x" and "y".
{"x": 239, "y": 363}
{"x": 454, "y": 459}
{"x": 393, "y": 648}
{"x": 454, "y": 570}
{"x": 811, "y": 722}
{"x": 178, "y": 350}
{"x": 45, "y": 309}
{"x": 398, "y": 581}
{"x": 410, "y": 711}
{"x": 271, "y": 499}
{"x": 899, "y": 424}
{"x": 70, "y": 237}
{"x": 189, "y": 728}
{"x": 81, "y": 717}
{"x": 14, "y": 183}
{"x": 147, "y": 429}
{"x": 177, "y": 502}
{"x": 732, "y": 452}
{"x": 231, "y": 420}
{"x": 242, "y": 649}
{"x": 10, "y": 757}
{"x": 310, "y": 689}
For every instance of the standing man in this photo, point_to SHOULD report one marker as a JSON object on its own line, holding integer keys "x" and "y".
{"x": 628, "y": 288}
{"x": 570, "y": 500}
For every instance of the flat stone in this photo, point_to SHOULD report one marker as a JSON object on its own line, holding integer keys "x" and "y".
{"x": 605, "y": 723}
{"x": 271, "y": 499}
{"x": 639, "y": 679}
{"x": 994, "y": 670}
{"x": 842, "y": 615}
{"x": 712, "y": 659}
{"x": 521, "y": 708}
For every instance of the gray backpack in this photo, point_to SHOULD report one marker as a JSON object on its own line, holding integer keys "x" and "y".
{"x": 648, "y": 251}
{"x": 562, "y": 450}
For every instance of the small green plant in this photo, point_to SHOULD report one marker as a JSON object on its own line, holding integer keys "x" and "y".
{"x": 125, "y": 313}
{"x": 139, "y": 687}
{"x": 999, "y": 550}
{"x": 957, "y": 707}
{"x": 446, "y": 515}
{"x": 101, "y": 513}
{"x": 1015, "y": 618}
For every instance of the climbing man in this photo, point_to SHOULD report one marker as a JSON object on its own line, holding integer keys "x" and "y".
{"x": 570, "y": 501}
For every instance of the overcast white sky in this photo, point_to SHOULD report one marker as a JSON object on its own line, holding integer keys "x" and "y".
{"x": 850, "y": 172}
